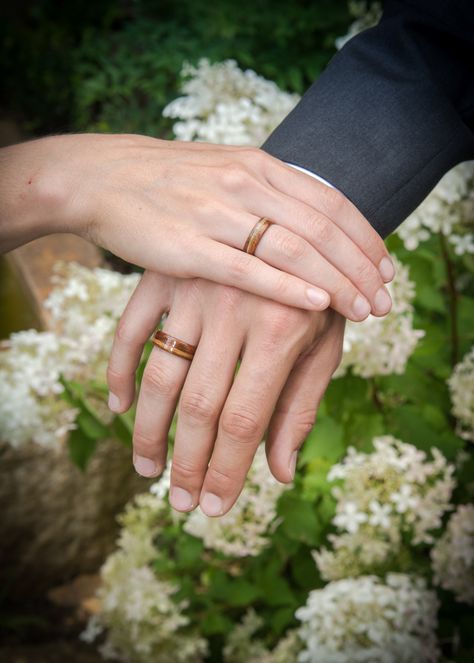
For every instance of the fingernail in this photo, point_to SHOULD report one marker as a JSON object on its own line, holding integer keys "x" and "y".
{"x": 317, "y": 297}
{"x": 386, "y": 269}
{"x": 360, "y": 307}
{"x": 145, "y": 466}
{"x": 382, "y": 301}
{"x": 211, "y": 504}
{"x": 292, "y": 464}
{"x": 180, "y": 499}
{"x": 114, "y": 402}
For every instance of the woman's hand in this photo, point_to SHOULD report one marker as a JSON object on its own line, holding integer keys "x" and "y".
{"x": 287, "y": 358}
{"x": 186, "y": 209}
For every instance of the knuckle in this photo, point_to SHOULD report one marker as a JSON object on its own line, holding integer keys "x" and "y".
{"x": 323, "y": 230}
{"x": 124, "y": 333}
{"x": 289, "y": 245}
{"x": 240, "y": 425}
{"x": 304, "y": 422}
{"x": 183, "y": 471}
{"x": 144, "y": 445}
{"x": 235, "y": 176}
{"x": 200, "y": 408}
{"x": 335, "y": 202}
{"x": 222, "y": 479}
{"x": 366, "y": 273}
{"x": 239, "y": 265}
{"x": 114, "y": 378}
{"x": 229, "y": 299}
{"x": 158, "y": 381}
{"x": 280, "y": 320}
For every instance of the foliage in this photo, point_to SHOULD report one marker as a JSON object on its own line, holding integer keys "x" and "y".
{"x": 113, "y": 66}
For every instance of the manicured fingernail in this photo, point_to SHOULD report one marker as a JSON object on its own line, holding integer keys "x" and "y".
{"x": 382, "y": 301}
{"x": 180, "y": 499}
{"x": 360, "y": 307}
{"x": 386, "y": 269}
{"x": 145, "y": 466}
{"x": 317, "y": 297}
{"x": 211, "y": 504}
{"x": 114, "y": 402}
{"x": 292, "y": 464}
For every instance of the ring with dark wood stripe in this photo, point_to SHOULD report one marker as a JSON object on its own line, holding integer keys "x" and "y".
{"x": 256, "y": 235}
{"x": 173, "y": 345}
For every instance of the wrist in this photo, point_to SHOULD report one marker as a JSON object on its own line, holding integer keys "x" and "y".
{"x": 34, "y": 192}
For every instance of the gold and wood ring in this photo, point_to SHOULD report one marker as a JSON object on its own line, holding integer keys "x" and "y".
{"x": 173, "y": 345}
{"x": 256, "y": 235}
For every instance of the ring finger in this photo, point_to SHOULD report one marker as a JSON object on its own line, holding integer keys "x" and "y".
{"x": 162, "y": 381}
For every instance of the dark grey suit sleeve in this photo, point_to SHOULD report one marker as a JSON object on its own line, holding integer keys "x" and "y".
{"x": 393, "y": 111}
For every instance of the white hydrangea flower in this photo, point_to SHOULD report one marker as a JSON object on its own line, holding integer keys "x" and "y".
{"x": 453, "y": 555}
{"x": 84, "y": 305}
{"x": 223, "y": 104}
{"x": 141, "y": 619}
{"x": 243, "y": 647}
{"x": 385, "y": 497}
{"x": 138, "y": 614}
{"x": 367, "y": 620}
{"x": 380, "y": 346}
{"x": 449, "y": 209}
{"x": 244, "y": 530}
{"x": 366, "y": 14}
{"x": 461, "y": 386}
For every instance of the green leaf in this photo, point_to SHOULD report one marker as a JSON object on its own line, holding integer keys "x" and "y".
{"x": 300, "y": 521}
{"x": 189, "y": 552}
{"x": 242, "y": 592}
{"x": 81, "y": 448}
{"x": 215, "y": 623}
{"x": 91, "y": 426}
{"x": 324, "y": 441}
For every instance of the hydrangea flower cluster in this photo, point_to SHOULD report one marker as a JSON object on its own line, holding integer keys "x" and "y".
{"x": 142, "y": 620}
{"x": 381, "y": 346}
{"x": 223, "y": 104}
{"x": 449, "y": 209}
{"x": 242, "y": 646}
{"x": 388, "y": 496}
{"x": 367, "y": 620}
{"x": 366, "y": 14}
{"x": 245, "y": 529}
{"x": 453, "y": 555}
{"x": 461, "y": 386}
{"x": 84, "y": 306}
{"x": 137, "y": 612}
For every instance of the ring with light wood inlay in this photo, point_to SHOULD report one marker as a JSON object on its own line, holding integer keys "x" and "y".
{"x": 256, "y": 235}
{"x": 173, "y": 345}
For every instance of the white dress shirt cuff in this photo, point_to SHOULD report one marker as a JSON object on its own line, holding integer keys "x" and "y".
{"x": 308, "y": 172}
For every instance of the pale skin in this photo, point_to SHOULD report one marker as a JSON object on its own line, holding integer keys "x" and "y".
{"x": 288, "y": 356}
{"x": 183, "y": 212}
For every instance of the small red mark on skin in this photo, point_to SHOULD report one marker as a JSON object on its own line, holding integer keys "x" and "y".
{"x": 30, "y": 180}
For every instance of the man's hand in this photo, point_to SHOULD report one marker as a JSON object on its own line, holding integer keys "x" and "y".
{"x": 287, "y": 358}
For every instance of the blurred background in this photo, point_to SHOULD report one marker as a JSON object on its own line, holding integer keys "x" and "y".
{"x": 383, "y": 567}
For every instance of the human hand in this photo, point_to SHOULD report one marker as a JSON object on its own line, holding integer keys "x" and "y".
{"x": 186, "y": 209}
{"x": 287, "y": 358}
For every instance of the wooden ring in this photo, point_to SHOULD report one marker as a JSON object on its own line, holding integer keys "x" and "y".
{"x": 173, "y": 345}
{"x": 256, "y": 235}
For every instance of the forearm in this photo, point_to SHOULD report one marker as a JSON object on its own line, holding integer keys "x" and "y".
{"x": 33, "y": 198}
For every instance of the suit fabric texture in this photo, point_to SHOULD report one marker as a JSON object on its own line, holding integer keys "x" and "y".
{"x": 392, "y": 112}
